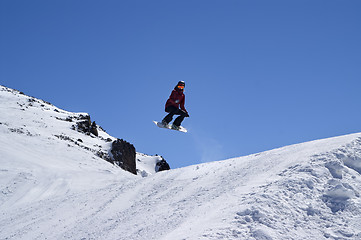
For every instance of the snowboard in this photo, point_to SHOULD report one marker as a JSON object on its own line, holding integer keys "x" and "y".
{"x": 169, "y": 126}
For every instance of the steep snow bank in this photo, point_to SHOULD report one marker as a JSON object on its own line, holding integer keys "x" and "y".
{"x": 40, "y": 120}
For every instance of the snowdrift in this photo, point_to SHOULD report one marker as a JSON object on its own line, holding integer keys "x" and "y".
{"x": 50, "y": 189}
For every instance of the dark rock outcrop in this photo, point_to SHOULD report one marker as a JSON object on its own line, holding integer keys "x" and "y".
{"x": 124, "y": 155}
{"x": 93, "y": 129}
{"x": 86, "y": 126}
{"x": 162, "y": 165}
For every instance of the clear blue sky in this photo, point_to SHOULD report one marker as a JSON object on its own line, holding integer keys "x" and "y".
{"x": 259, "y": 74}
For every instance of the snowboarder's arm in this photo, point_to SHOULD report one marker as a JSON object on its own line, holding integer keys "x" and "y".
{"x": 182, "y": 104}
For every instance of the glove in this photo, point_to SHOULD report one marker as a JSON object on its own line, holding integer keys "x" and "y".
{"x": 187, "y": 115}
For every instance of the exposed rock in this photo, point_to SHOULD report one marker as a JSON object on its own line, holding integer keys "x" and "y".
{"x": 124, "y": 155}
{"x": 86, "y": 126}
{"x": 93, "y": 129}
{"x": 162, "y": 165}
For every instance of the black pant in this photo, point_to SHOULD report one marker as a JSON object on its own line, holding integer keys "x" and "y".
{"x": 174, "y": 111}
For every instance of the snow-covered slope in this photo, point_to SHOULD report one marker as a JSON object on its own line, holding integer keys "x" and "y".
{"x": 41, "y": 121}
{"x": 53, "y": 189}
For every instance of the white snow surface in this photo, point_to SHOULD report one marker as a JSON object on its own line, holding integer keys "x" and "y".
{"x": 52, "y": 188}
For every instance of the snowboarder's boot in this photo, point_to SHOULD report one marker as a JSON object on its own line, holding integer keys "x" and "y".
{"x": 165, "y": 124}
{"x": 175, "y": 127}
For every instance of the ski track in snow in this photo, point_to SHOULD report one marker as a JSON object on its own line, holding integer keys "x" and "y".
{"x": 53, "y": 189}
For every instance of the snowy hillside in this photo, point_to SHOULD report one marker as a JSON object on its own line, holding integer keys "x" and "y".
{"x": 41, "y": 121}
{"x": 51, "y": 188}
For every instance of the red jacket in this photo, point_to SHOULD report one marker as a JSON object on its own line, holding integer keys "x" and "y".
{"x": 176, "y": 99}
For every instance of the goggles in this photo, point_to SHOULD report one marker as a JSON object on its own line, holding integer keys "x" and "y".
{"x": 180, "y": 86}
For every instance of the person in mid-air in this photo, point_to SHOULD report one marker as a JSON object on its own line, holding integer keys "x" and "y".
{"x": 175, "y": 106}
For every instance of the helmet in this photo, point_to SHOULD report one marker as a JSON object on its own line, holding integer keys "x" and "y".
{"x": 181, "y": 82}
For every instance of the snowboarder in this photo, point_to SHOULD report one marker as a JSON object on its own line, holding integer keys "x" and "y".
{"x": 175, "y": 106}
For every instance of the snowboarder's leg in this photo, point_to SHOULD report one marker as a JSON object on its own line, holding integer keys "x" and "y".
{"x": 177, "y": 122}
{"x": 167, "y": 119}
{"x": 171, "y": 112}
